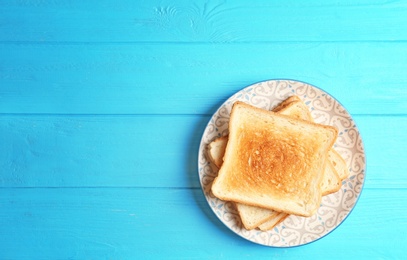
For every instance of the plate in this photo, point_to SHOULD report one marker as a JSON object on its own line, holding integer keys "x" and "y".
{"x": 334, "y": 209}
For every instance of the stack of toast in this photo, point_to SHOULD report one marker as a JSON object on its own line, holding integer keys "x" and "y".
{"x": 275, "y": 163}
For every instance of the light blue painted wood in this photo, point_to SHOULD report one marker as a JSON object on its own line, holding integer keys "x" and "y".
{"x": 149, "y": 151}
{"x": 368, "y": 78}
{"x": 197, "y": 21}
{"x": 151, "y": 223}
{"x": 107, "y": 151}
{"x": 103, "y": 103}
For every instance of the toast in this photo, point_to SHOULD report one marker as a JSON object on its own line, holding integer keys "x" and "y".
{"x": 330, "y": 184}
{"x": 273, "y": 161}
{"x": 251, "y": 216}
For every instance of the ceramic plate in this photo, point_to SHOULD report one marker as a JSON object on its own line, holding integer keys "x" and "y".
{"x": 294, "y": 230}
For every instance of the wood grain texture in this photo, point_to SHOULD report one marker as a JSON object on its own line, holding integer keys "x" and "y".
{"x": 93, "y": 151}
{"x": 130, "y": 151}
{"x": 103, "y": 104}
{"x": 148, "y": 223}
{"x": 192, "y": 79}
{"x": 202, "y": 21}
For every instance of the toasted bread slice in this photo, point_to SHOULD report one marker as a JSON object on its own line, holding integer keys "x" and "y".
{"x": 330, "y": 183}
{"x": 252, "y": 216}
{"x": 273, "y": 161}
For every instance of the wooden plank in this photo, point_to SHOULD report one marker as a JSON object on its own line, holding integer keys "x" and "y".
{"x": 149, "y": 151}
{"x": 125, "y": 223}
{"x": 53, "y": 151}
{"x": 202, "y": 21}
{"x": 193, "y": 79}
{"x": 384, "y": 140}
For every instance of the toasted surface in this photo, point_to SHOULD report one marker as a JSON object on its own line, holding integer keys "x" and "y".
{"x": 339, "y": 164}
{"x": 273, "y": 161}
{"x": 216, "y": 148}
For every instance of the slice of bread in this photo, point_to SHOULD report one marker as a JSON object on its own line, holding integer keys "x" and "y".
{"x": 273, "y": 161}
{"x": 251, "y": 216}
{"x": 330, "y": 183}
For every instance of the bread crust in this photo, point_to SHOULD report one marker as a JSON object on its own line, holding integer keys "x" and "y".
{"x": 339, "y": 164}
{"x": 286, "y": 103}
{"x": 252, "y": 217}
{"x": 216, "y": 150}
{"x": 277, "y": 219}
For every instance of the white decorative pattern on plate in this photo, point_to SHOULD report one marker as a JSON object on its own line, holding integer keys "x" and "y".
{"x": 334, "y": 208}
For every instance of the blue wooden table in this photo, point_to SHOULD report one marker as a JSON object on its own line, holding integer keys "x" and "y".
{"x": 103, "y": 105}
